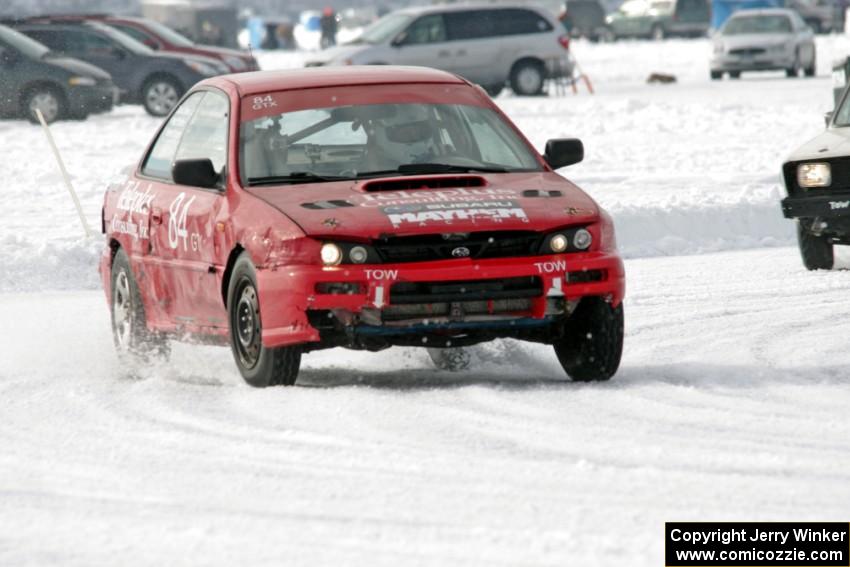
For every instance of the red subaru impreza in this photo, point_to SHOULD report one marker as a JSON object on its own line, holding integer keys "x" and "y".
{"x": 361, "y": 207}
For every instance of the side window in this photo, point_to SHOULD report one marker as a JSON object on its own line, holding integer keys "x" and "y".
{"x": 161, "y": 156}
{"x": 136, "y": 34}
{"x": 427, "y": 29}
{"x": 206, "y": 134}
{"x": 56, "y": 41}
{"x": 475, "y": 24}
{"x": 516, "y": 21}
{"x": 94, "y": 44}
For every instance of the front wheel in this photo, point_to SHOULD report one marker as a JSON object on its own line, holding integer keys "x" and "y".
{"x": 160, "y": 95}
{"x": 716, "y": 75}
{"x": 259, "y": 365}
{"x": 817, "y": 251}
{"x": 48, "y": 100}
{"x": 592, "y": 345}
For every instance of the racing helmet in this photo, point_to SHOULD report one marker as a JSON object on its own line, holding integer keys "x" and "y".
{"x": 406, "y": 135}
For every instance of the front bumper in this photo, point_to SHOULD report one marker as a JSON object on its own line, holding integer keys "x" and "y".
{"x": 763, "y": 62}
{"x": 289, "y": 293}
{"x": 817, "y": 206}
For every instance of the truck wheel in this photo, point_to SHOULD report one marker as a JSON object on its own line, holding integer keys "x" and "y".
{"x": 593, "y": 343}
{"x": 48, "y": 100}
{"x": 527, "y": 78}
{"x": 260, "y": 366}
{"x": 160, "y": 95}
{"x": 450, "y": 359}
{"x": 817, "y": 251}
{"x": 130, "y": 334}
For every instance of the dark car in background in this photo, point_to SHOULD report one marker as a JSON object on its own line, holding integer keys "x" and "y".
{"x": 156, "y": 80}
{"x": 160, "y": 37}
{"x": 657, "y": 19}
{"x": 586, "y": 18}
{"x": 32, "y": 77}
{"x": 823, "y": 16}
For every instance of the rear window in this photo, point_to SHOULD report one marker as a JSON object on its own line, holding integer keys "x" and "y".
{"x": 758, "y": 25}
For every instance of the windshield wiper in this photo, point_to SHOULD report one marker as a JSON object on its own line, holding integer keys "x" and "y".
{"x": 432, "y": 168}
{"x": 294, "y": 178}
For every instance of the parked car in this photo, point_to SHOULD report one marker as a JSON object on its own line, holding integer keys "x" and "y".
{"x": 657, "y": 19}
{"x": 823, "y": 16}
{"x": 488, "y": 44}
{"x": 162, "y": 38}
{"x": 359, "y": 207}
{"x": 35, "y": 78}
{"x": 586, "y": 18}
{"x": 817, "y": 181}
{"x": 764, "y": 40}
{"x": 156, "y": 80}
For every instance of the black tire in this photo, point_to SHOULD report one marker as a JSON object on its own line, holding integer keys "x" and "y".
{"x": 160, "y": 94}
{"x": 527, "y": 78}
{"x": 811, "y": 69}
{"x": 494, "y": 90}
{"x": 49, "y": 99}
{"x": 133, "y": 341}
{"x": 817, "y": 251}
{"x": 259, "y": 366}
{"x": 734, "y": 74}
{"x": 593, "y": 341}
{"x": 794, "y": 72}
{"x": 716, "y": 75}
{"x": 450, "y": 359}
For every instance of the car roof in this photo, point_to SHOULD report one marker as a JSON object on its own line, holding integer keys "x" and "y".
{"x": 439, "y": 8}
{"x": 762, "y": 12}
{"x": 320, "y": 77}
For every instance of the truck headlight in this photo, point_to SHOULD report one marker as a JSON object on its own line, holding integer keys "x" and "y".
{"x": 814, "y": 175}
{"x": 331, "y": 254}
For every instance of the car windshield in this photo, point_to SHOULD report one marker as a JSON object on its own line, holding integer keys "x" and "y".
{"x": 352, "y": 142}
{"x": 167, "y": 33}
{"x": 384, "y": 29}
{"x": 757, "y": 25}
{"x": 123, "y": 39}
{"x": 27, "y": 46}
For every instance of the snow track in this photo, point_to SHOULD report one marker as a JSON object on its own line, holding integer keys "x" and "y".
{"x": 731, "y": 402}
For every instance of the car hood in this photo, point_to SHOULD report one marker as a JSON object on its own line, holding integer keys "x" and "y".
{"x": 370, "y": 209}
{"x": 754, "y": 40}
{"x": 79, "y": 67}
{"x": 336, "y": 54}
{"x": 832, "y": 143}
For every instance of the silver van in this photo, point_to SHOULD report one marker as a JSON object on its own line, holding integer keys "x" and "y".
{"x": 491, "y": 45}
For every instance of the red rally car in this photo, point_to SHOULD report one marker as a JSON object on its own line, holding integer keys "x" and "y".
{"x": 360, "y": 207}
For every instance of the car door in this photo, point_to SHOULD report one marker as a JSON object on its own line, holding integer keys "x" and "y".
{"x": 424, "y": 43}
{"x": 13, "y": 66}
{"x": 183, "y": 218}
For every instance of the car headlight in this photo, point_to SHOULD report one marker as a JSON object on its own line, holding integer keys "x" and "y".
{"x": 582, "y": 239}
{"x": 814, "y": 175}
{"x": 331, "y": 254}
{"x": 82, "y": 82}
{"x": 358, "y": 255}
{"x": 202, "y": 68}
{"x": 236, "y": 63}
{"x": 558, "y": 243}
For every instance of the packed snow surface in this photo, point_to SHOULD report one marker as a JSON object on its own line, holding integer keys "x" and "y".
{"x": 731, "y": 402}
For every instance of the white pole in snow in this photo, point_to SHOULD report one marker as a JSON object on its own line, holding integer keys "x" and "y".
{"x": 64, "y": 173}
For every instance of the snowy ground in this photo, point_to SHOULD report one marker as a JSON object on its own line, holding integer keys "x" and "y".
{"x": 731, "y": 402}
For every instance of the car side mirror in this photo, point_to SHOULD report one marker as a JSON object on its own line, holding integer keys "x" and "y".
{"x": 195, "y": 173}
{"x": 827, "y": 118}
{"x": 399, "y": 39}
{"x": 563, "y": 152}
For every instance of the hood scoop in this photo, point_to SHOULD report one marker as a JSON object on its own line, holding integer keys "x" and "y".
{"x": 321, "y": 205}
{"x": 441, "y": 182}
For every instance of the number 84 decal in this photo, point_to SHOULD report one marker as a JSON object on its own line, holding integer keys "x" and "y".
{"x": 178, "y": 213}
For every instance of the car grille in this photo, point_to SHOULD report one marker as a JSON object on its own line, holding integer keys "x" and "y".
{"x": 405, "y": 293}
{"x": 478, "y": 245}
{"x": 459, "y": 310}
{"x": 748, "y": 51}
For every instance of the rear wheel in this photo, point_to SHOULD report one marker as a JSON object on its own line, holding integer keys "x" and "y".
{"x": 48, "y": 100}
{"x": 259, "y": 365}
{"x": 527, "y": 78}
{"x": 817, "y": 251}
{"x": 160, "y": 95}
{"x": 133, "y": 342}
{"x": 450, "y": 359}
{"x": 592, "y": 345}
{"x": 716, "y": 75}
